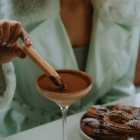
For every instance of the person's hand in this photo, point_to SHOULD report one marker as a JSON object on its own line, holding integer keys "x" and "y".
{"x": 10, "y": 31}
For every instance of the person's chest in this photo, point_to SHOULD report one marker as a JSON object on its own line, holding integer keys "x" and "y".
{"x": 77, "y": 20}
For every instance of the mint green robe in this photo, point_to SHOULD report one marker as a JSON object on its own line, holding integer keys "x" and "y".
{"x": 111, "y": 63}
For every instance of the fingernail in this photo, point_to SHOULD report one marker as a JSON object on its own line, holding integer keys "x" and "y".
{"x": 9, "y": 44}
{"x": 4, "y": 43}
{"x": 22, "y": 55}
{"x": 29, "y": 42}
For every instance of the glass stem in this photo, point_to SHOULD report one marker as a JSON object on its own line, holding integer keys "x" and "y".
{"x": 64, "y": 116}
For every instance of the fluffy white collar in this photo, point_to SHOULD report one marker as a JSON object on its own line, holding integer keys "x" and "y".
{"x": 29, "y": 11}
{"x": 121, "y": 11}
{"x": 26, "y": 11}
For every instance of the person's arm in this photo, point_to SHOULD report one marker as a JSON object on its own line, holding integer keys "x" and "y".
{"x": 10, "y": 31}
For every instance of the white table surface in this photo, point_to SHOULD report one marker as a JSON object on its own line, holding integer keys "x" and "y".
{"x": 53, "y": 130}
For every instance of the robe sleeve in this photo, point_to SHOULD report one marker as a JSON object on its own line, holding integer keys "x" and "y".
{"x": 7, "y": 84}
{"x": 2, "y": 82}
{"x": 118, "y": 92}
{"x": 123, "y": 87}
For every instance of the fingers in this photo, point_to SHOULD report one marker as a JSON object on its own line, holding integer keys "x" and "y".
{"x": 25, "y": 37}
{"x": 10, "y": 31}
{"x": 7, "y": 54}
{"x": 5, "y": 32}
{"x": 15, "y": 32}
{"x": 0, "y": 38}
{"x": 16, "y": 51}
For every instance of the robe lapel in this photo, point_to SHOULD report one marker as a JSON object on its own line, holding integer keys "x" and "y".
{"x": 106, "y": 62}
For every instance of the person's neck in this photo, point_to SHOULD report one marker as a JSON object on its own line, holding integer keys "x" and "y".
{"x": 72, "y": 3}
{"x": 76, "y": 16}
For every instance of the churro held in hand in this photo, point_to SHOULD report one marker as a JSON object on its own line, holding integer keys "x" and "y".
{"x": 42, "y": 64}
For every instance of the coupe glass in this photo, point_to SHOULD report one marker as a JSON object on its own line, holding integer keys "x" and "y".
{"x": 64, "y": 100}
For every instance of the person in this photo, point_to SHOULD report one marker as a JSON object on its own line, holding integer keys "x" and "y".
{"x": 100, "y": 37}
